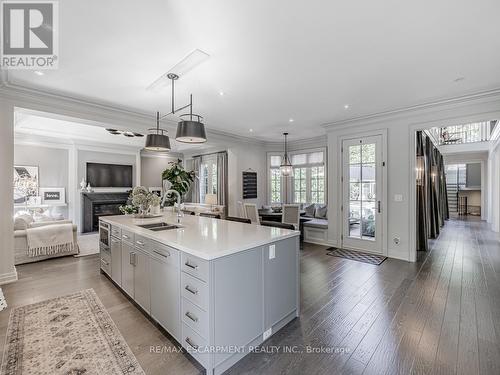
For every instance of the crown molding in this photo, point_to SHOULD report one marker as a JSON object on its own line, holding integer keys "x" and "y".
{"x": 416, "y": 110}
{"x": 59, "y": 104}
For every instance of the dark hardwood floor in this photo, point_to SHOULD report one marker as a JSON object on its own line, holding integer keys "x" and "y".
{"x": 440, "y": 315}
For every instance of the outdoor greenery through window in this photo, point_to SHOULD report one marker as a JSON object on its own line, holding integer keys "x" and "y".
{"x": 308, "y": 184}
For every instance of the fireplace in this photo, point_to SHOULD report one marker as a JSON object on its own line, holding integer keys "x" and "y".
{"x": 96, "y": 205}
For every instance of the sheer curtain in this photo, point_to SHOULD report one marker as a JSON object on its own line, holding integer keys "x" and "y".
{"x": 195, "y": 190}
{"x": 222, "y": 180}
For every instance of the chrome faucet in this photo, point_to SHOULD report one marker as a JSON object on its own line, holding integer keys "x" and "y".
{"x": 168, "y": 192}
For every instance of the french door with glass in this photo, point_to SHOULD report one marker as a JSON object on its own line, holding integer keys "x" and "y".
{"x": 362, "y": 194}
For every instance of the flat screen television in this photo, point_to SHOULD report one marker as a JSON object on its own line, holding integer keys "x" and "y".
{"x": 109, "y": 175}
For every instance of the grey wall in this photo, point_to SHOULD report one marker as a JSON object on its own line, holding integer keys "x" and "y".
{"x": 85, "y": 156}
{"x": 152, "y": 168}
{"x": 52, "y": 165}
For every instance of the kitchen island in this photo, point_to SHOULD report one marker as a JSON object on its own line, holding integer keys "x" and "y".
{"x": 219, "y": 287}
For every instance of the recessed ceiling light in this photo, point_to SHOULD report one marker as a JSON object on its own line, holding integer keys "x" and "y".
{"x": 290, "y": 120}
{"x": 221, "y": 93}
{"x": 38, "y": 73}
{"x": 250, "y": 130}
{"x": 346, "y": 106}
{"x": 458, "y": 79}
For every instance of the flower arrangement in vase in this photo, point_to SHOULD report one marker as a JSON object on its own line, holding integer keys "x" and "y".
{"x": 143, "y": 203}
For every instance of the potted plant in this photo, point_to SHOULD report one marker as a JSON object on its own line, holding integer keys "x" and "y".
{"x": 179, "y": 178}
{"x": 142, "y": 203}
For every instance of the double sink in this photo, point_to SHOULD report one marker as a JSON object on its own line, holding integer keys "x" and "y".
{"x": 156, "y": 227}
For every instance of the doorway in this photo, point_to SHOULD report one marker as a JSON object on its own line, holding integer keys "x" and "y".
{"x": 362, "y": 193}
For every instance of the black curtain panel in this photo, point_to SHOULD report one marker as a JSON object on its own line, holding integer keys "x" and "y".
{"x": 421, "y": 197}
{"x": 432, "y": 198}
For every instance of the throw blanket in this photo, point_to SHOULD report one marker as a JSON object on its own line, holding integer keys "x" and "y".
{"x": 50, "y": 239}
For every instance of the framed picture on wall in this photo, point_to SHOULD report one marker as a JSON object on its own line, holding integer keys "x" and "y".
{"x": 53, "y": 195}
{"x": 25, "y": 183}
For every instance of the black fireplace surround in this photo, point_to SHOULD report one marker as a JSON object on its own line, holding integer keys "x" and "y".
{"x": 100, "y": 204}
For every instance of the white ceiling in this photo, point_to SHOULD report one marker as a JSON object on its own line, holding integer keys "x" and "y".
{"x": 64, "y": 130}
{"x": 276, "y": 60}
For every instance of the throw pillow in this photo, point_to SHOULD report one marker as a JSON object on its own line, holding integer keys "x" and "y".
{"x": 310, "y": 210}
{"x": 22, "y": 222}
{"x": 321, "y": 211}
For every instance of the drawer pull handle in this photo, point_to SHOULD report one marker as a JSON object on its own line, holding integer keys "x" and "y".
{"x": 191, "y": 290}
{"x": 104, "y": 262}
{"x": 161, "y": 254}
{"x": 191, "y": 343}
{"x": 140, "y": 243}
{"x": 187, "y": 264}
{"x": 192, "y": 317}
{"x": 125, "y": 236}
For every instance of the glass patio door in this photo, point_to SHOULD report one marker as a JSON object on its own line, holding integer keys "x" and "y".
{"x": 362, "y": 194}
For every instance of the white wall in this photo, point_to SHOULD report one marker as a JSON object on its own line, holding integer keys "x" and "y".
{"x": 52, "y": 165}
{"x": 7, "y": 269}
{"x": 494, "y": 187}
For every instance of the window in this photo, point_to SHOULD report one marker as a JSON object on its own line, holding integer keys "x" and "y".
{"x": 275, "y": 179}
{"x": 318, "y": 184}
{"x": 299, "y": 185}
{"x": 208, "y": 177}
{"x": 308, "y": 184}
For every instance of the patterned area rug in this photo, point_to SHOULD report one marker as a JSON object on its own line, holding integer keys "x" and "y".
{"x": 3, "y": 302}
{"x": 356, "y": 255}
{"x": 70, "y": 335}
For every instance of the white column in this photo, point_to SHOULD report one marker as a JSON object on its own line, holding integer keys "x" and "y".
{"x": 73, "y": 184}
{"x": 7, "y": 270}
{"x": 138, "y": 168}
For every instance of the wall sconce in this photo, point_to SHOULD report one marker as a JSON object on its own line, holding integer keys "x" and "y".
{"x": 420, "y": 170}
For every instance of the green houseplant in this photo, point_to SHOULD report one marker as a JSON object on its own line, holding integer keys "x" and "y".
{"x": 179, "y": 178}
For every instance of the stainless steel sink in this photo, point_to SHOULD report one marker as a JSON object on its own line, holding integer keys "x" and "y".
{"x": 160, "y": 226}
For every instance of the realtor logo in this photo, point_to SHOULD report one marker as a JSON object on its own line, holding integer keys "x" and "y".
{"x": 29, "y": 34}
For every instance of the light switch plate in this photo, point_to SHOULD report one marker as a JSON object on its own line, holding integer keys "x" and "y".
{"x": 272, "y": 251}
{"x": 267, "y": 334}
{"x": 398, "y": 197}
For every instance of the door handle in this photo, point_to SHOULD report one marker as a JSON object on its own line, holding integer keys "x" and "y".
{"x": 140, "y": 243}
{"x": 378, "y": 207}
{"x": 132, "y": 259}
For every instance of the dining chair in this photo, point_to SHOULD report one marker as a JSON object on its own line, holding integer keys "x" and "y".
{"x": 252, "y": 213}
{"x": 277, "y": 224}
{"x": 208, "y": 214}
{"x": 291, "y": 215}
{"x": 239, "y": 219}
{"x": 241, "y": 210}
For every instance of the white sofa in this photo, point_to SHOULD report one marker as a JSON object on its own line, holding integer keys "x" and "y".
{"x": 21, "y": 242}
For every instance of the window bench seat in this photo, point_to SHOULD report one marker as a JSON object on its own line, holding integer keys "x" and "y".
{"x": 316, "y": 231}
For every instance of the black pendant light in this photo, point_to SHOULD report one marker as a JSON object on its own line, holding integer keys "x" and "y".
{"x": 189, "y": 130}
{"x": 157, "y": 140}
{"x": 286, "y": 168}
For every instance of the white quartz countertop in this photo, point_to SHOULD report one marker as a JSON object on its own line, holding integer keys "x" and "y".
{"x": 204, "y": 237}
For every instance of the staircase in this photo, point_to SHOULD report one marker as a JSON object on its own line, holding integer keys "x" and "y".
{"x": 452, "y": 197}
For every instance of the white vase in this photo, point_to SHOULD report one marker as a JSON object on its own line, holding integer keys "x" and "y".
{"x": 155, "y": 210}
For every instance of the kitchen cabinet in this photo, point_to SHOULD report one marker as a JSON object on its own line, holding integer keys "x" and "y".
{"x": 116, "y": 260}
{"x": 165, "y": 299}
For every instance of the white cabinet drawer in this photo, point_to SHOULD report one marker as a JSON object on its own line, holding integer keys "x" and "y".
{"x": 165, "y": 253}
{"x": 141, "y": 242}
{"x": 196, "y": 345}
{"x": 195, "y": 317}
{"x": 195, "y": 266}
{"x": 116, "y": 231}
{"x": 127, "y": 236}
{"x": 194, "y": 290}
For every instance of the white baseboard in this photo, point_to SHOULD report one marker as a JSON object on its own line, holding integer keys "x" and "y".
{"x": 9, "y": 277}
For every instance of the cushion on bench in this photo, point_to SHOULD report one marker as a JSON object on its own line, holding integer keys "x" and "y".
{"x": 317, "y": 223}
